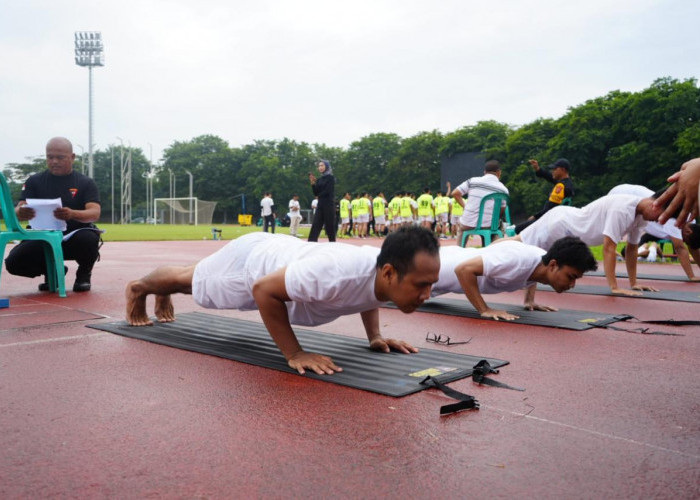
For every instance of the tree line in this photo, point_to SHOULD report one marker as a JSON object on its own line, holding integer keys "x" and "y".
{"x": 622, "y": 137}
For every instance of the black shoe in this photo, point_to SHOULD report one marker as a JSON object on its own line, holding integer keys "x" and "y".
{"x": 82, "y": 283}
{"x": 44, "y": 287}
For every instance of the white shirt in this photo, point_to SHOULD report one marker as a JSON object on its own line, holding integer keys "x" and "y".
{"x": 507, "y": 265}
{"x": 323, "y": 281}
{"x": 294, "y": 213}
{"x": 266, "y": 204}
{"x": 665, "y": 231}
{"x": 474, "y": 190}
{"x": 613, "y": 216}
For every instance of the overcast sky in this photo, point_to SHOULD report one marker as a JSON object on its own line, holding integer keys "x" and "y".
{"x": 322, "y": 71}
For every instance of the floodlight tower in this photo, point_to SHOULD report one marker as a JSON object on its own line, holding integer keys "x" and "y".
{"x": 89, "y": 52}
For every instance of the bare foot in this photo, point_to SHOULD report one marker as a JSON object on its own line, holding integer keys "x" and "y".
{"x": 136, "y": 305}
{"x": 165, "y": 312}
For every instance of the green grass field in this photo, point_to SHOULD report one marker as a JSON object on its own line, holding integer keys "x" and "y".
{"x": 172, "y": 232}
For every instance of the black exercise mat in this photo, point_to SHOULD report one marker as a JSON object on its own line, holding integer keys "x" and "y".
{"x": 564, "y": 318}
{"x": 604, "y": 290}
{"x": 643, "y": 276}
{"x": 392, "y": 374}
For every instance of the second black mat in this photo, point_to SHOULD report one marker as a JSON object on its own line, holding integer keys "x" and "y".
{"x": 604, "y": 290}
{"x": 392, "y": 374}
{"x": 564, "y": 318}
{"x": 643, "y": 276}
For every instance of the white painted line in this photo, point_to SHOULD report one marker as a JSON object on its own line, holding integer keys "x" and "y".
{"x": 595, "y": 433}
{"x": 57, "y": 339}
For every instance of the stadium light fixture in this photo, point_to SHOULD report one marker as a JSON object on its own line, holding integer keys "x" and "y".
{"x": 89, "y": 52}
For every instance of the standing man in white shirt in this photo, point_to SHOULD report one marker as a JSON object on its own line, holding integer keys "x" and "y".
{"x": 294, "y": 215}
{"x": 474, "y": 190}
{"x": 267, "y": 207}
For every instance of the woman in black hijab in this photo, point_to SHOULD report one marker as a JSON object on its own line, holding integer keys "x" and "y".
{"x": 324, "y": 188}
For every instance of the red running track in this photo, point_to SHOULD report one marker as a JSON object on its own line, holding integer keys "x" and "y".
{"x": 88, "y": 414}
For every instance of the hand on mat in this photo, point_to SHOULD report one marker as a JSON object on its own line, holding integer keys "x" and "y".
{"x": 694, "y": 278}
{"x": 531, "y": 306}
{"x": 323, "y": 365}
{"x": 645, "y": 288}
{"x": 387, "y": 345}
{"x": 624, "y": 291}
{"x": 496, "y": 314}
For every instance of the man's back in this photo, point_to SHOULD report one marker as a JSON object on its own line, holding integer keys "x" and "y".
{"x": 474, "y": 190}
{"x": 322, "y": 281}
{"x": 612, "y": 215}
{"x": 507, "y": 267}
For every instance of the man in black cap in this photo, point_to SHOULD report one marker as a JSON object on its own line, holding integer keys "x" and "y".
{"x": 557, "y": 174}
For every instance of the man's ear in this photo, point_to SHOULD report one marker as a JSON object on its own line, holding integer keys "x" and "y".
{"x": 387, "y": 272}
{"x": 553, "y": 264}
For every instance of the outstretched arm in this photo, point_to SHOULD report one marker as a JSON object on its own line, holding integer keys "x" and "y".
{"x": 696, "y": 255}
{"x": 610, "y": 260}
{"x": 631, "y": 264}
{"x": 467, "y": 273}
{"x": 370, "y": 319}
{"x": 684, "y": 258}
{"x": 91, "y": 213}
{"x": 530, "y": 304}
{"x": 457, "y": 195}
{"x": 270, "y": 295}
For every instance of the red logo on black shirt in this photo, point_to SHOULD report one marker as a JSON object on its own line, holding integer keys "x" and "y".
{"x": 73, "y": 192}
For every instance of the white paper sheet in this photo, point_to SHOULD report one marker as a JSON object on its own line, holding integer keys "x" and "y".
{"x": 43, "y": 214}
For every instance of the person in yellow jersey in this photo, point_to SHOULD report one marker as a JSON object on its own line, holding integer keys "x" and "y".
{"x": 414, "y": 208}
{"x": 442, "y": 214}
{"x": 395, "y": 212}
{"x": 379, "y": 212}
{"x": 406, "y": 210}
{"x": 363, "y": 210}
{"x": 425, "y": 209}
{"x": 355, "y": 208}
{"x": 456, "y": 212}
{"x": 344, "y": 215}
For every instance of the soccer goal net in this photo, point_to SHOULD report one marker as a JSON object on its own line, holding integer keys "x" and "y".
{"x": 183, "y": 211}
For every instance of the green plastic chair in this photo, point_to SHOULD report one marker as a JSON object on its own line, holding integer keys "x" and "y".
{"x": 487, "y": 233}
{"x": 53, "y": 252}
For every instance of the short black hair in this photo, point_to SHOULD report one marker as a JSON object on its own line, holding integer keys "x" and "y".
{"x": 492, "y": 166}
{"x": 400, "y": 248}
{"x": 693, "y": 240}
{"x": 571, "y": 251}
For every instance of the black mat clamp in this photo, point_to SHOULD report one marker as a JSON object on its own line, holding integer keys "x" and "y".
{"x": 483, "y": 368}
{"x": 466, "y": 401}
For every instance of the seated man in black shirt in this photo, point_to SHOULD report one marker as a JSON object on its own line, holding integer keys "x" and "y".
{"x": 81, "y": 207}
